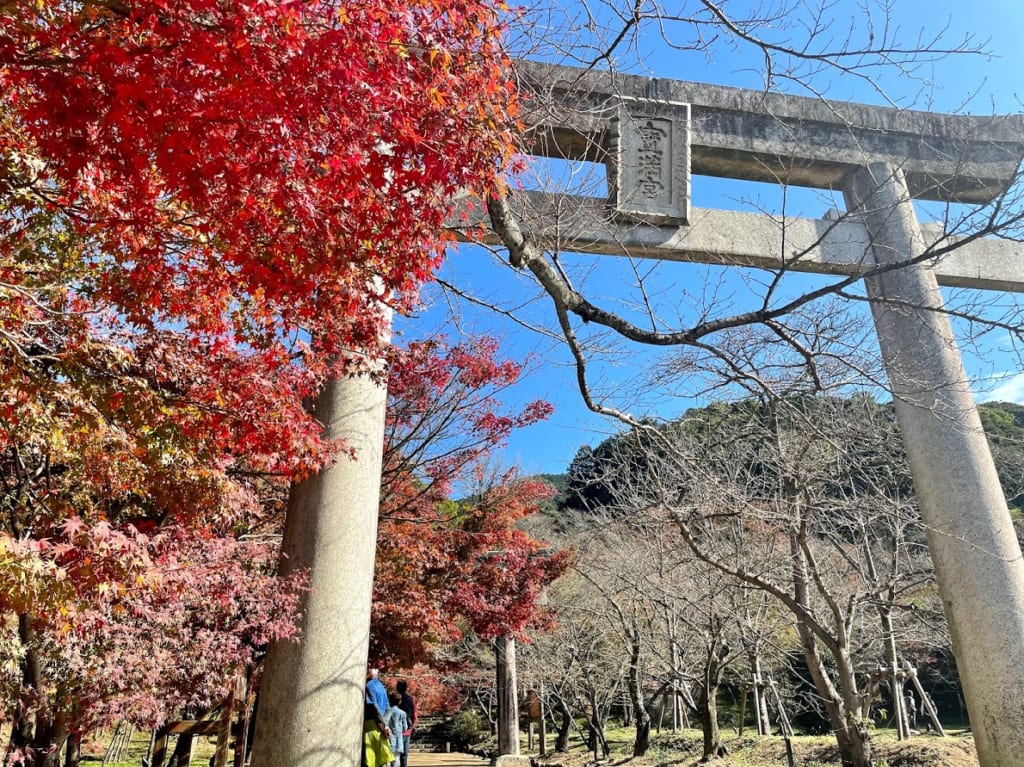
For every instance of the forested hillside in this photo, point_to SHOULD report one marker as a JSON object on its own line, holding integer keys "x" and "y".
{"x": 1004, "y": 425}
{"x": 584, "y": 485}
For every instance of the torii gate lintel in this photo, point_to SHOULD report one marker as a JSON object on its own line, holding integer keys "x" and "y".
{"x": 651, "y": 134}
{"x": 771, "y": 137}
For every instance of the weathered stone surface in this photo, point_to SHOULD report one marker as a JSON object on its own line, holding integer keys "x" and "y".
{"x": 882, "y": 159}
{"x": 580, "y": 224}
{"x": 745, "y": 134}
{"x": 311, "y": 704}
{"x": 649, "y": 179}
{"x": 971, "y": 536}
{"x": 510, "y": 760}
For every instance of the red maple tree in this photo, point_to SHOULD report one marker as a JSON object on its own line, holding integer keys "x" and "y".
{"x": 252, "y": 171}
{"x": 202, "y": 202}
{"x": 445, "y": 567}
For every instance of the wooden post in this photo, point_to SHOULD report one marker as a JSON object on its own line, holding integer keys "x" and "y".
{"x": 743, "y": 710}
{"x": 113, "y": 752}
{"x": 183, "y": 750}
{"x": 896, "y": 690}
{"x": 686, "y": 704}
{"x": 661, "y": 711}
{"x": 784, "y": 725}
{"x": 760, "y": 706}
{"x": 159, "y": 748}
{"x": 543, "y": 728}
{"x": 227, "y": 714}
{"x": 535, "y": 713}
{"x": 508, "y": 710}
{"x": 244, "y": 721}
{"x": 926, "y": 701}
{"x": 674, "y": 660}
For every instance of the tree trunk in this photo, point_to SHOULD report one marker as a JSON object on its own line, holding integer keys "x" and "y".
{"x": 715, "y": 661}
{"x": 38, "y": 729}
{"x": 764, "y": 723}
{"x": 26, "y": 713}
{"x": 73, "y": 751}
{"x": 707, "y": 702}
{"x": 852, "y": 735}
{"x": 636, "y": 695}
{"x": 562, "y": 737}
{"x": 596, "y": 724}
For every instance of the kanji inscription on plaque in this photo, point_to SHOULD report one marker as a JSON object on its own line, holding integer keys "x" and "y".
{"x": 650, "y": 178}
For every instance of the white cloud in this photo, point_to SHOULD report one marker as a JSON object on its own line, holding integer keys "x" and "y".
{"x": 1008, "y": 387}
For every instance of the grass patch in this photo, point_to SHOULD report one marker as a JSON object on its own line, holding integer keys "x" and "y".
{"x": 683, "y": 749}
{"x": 203, "y": 748}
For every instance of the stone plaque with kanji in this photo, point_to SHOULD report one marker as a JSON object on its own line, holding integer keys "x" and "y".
{"x": 650, "y": 174}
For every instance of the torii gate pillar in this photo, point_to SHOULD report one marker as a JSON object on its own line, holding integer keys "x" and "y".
{"x": 970, "y": 534}
{"x": 310, "y": 711}
{"x": 646, "y": 130}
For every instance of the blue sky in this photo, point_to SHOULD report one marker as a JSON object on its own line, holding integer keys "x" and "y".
{"x": 980, "y": 84}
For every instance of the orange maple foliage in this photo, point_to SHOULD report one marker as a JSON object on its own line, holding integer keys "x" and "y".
{"x": 448, "y": 568}
{"x": 202, "y": 204}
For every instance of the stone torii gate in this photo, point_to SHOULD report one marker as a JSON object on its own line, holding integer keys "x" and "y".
{"x": 651, "y": 133}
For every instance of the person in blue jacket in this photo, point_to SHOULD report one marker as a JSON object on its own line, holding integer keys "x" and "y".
{"x": 376, "y": 734}
{"x": 375, "y": 691}
{"x": 397, "y": 722}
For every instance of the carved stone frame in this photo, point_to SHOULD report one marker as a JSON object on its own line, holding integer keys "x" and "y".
{"x": 649, "y": 162}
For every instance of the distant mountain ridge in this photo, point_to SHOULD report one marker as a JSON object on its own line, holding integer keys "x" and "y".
{"x": 1003, "y": 423}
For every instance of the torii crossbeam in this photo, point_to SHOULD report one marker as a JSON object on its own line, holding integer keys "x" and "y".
{"x": 651, "y": 133}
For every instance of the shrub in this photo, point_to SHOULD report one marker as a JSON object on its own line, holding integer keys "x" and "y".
{"x": 468, "y": 729}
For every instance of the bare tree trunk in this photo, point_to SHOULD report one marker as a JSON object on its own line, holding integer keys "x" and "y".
{"x": 854, "y": 742}
{"x": 643, "y": 719}
{"x": 852, "y": 736}
{"x": 596, "y": 724}
{"x": 562, "y": 737}
{"x": 707, "y": 703}
{"x": 707, "y": 700}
